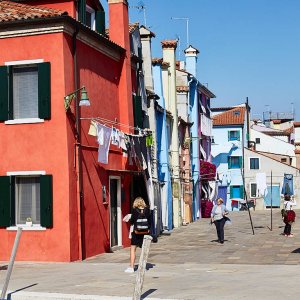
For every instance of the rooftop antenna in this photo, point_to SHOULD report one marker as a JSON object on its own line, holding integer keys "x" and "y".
{"x": 187, "y": 27}
{"x": 293, "y": 110}
{"x": 179, "y": 46}
{"x": 141, "y": 7}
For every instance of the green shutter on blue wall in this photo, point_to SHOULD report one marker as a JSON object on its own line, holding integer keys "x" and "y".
{"x": 231, "y": 192}
{"x": 100, "y": 21}
{"x": 229, "y": 162}
{"x": 44, "y": 90}
{"x": 242, "y": 192}
{"x": 228, "y": 135}
{"x": 238, "y": 136}
{"x": 240, "y": 161}
{"x": 5, "y": 201}
{"x": 46, "y": 198}
{"x": 3, "y": 93}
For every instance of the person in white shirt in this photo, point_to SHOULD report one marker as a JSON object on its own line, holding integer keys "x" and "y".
{"x": 217, "y": 216}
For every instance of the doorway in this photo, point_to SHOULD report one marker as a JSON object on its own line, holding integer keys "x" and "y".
{"x": 115, "y": 211}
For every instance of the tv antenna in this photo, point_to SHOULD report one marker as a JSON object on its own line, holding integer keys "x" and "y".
{"x": 187, "y": 27}
{"x": 141, "y": 7}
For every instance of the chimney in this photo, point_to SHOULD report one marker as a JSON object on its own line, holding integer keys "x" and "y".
{"x": 119, "y": 33}
{"x": 170, "y": 94}
{"x": 146, "y": 36}
{"x": 191, "y": 60}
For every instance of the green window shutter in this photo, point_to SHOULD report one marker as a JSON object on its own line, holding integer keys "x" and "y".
{"x": 3, "y": 93}
{"x": 82, "y": 11}
{"x": 100, "y": 21}
{"x": 44, "y": 90}
{"x": 137, "y": 111}
{"x": 229, "y": 162}
{"x": 46, "y": 198}
{"x": 238, "y": 137}
{"x": 240, "y": 161}
{"x": 5, "y": 201}
{"x": 242, "y": 191}
{"x": 228, "y": 135}
{"x": 231, "y": 192}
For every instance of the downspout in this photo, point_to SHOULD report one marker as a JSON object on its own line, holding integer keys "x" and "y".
{"x": 78, "y": 138}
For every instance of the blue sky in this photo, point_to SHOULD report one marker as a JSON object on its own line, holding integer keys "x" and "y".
{"x": 248, "y": 48}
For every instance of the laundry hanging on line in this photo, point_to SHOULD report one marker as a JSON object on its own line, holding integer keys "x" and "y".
{"x": 288, "y": 186}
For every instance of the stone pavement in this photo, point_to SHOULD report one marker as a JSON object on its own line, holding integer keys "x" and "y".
{"x": 188, "y": 264}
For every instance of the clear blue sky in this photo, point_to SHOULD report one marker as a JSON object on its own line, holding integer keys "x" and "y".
{"x": 248, "y": 48}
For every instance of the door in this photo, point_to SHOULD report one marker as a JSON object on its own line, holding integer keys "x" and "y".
{"x": 115, "y": 212}
{"x": 275, "y": 196}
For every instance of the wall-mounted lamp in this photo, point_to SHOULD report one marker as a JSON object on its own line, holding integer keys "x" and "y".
{"x": 84, "y": 100}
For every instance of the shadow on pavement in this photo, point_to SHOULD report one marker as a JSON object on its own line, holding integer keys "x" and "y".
{"x": 19, "y": 290}
{"x": 147, "y": 293}
{"x": 3, "y": 268}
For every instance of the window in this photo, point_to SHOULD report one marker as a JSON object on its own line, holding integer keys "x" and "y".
{"x": 283, "y": 160}
{"x": 237, "y": 192}
{"x": 95, "y": 19}
{"x": 233, "y": 135}
{"x": 235, "y": 162}
{"x": 257, "y": 140}
{"x": 254, "y": 163}
{"x": 25, "y": 197}
{"x": 253, "y": 189}
{"x": 26, "y": 92}
{"x": 90, "y": 18}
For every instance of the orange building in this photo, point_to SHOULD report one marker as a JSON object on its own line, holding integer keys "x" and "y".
{"x": 50, "y": 173}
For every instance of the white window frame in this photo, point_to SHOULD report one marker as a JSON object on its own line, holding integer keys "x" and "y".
{"x": 252, "y": 197}
{"x": 249, "y": 160}
{"x": 34, "y": 227}
{"x": 20, "y": 63}
{"x": 93, "y": 17}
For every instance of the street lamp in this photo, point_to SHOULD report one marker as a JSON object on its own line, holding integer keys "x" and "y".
{"x": 83, "y": 101}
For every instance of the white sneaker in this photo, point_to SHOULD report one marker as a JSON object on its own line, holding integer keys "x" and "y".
{"x": 129, "y": 270}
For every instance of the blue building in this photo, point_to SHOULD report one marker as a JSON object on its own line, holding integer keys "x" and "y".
{"x": 229, "y": 140}
{"x": 163, "y": 145}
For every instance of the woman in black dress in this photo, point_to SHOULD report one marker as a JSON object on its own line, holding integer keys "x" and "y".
{"x": 141, "y": 221}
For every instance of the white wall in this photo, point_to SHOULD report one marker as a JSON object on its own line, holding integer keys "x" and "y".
{"x": 273, "y": 145}
{"x": 266, "y": 166}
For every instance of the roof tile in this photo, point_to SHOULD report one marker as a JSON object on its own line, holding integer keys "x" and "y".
{"x": 235, "y": 116}
{"x": 11, "y": 11}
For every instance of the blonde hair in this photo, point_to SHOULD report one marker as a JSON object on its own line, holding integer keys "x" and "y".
{"x": 139, "y": 203}
{"x": 220, "y": 199}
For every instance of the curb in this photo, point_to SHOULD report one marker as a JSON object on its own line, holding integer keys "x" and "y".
{"x": 58, "y": 296}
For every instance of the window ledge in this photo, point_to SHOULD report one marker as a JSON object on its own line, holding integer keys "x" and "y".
{"x": 26, "y": 228}
{"x": 24, "y": 121}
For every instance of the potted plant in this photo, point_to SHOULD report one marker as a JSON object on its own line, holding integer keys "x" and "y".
{"x": 28, "y": 221}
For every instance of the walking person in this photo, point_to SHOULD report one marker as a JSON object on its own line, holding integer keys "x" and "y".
{"x": 218, "y": 214}
{"x": 288, "y": 215}
{"x": 141, "y": 223}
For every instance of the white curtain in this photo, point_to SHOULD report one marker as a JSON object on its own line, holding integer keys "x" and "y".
{"x": 25, "y": 92}
{"x": 27, "y": 199}
{"x": 206, "y": 125}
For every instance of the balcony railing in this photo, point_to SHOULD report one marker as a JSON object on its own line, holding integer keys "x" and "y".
{"x": 278, "y": 116}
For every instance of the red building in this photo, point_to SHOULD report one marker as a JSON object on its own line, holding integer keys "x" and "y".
{"x": 50, "y": 173}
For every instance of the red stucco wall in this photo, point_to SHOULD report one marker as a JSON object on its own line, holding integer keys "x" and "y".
{"x": 41, "y": 146}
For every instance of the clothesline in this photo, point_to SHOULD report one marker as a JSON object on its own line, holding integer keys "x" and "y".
{"x": 111, "y": 122}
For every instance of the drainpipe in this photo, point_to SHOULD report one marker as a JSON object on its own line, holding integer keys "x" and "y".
{"x": 78, "y": 140}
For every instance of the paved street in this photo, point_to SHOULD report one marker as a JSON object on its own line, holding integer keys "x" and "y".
{"x": 189, "y": 264}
